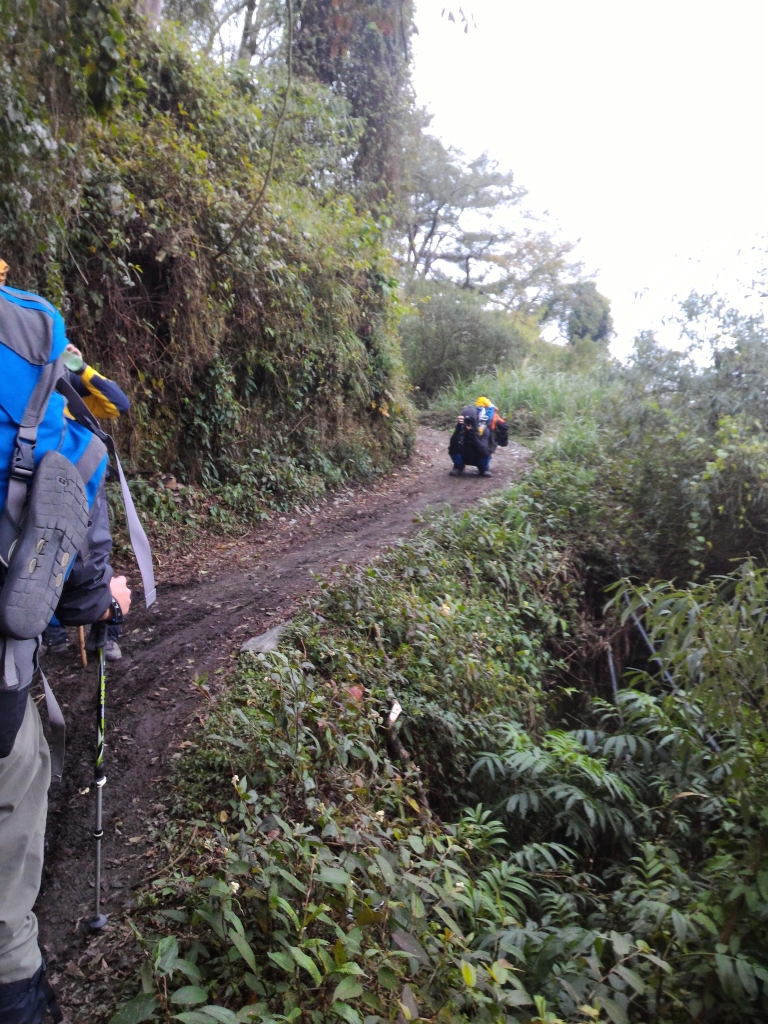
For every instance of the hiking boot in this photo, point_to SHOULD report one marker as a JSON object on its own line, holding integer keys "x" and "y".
{"x": 112, "y": 650}
{"x": 54, "y": 639}
{"x": 484, "y": 472}
{"x": 456, "y": 471}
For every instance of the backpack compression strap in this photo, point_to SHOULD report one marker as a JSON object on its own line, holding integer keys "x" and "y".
{"x": 23, "y": 459}
{"x": 139, "y": 542}
{"x": 22, "y": 471}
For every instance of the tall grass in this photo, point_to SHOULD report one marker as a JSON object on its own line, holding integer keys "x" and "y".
{"x": 532, "y": 398}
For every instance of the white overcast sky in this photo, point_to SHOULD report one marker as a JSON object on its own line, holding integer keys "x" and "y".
{"x": 640, "y": 126}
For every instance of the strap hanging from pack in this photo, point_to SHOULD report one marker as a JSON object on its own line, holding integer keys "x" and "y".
{"x": 58, "y": 729}
{"x": 139, "y": 542}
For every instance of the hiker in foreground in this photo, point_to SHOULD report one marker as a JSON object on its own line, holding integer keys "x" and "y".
{"x": 51, "y": 470}
{"x": 479, "y": 432}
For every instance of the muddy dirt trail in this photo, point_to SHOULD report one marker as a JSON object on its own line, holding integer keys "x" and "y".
{"x": 206, "y": 608}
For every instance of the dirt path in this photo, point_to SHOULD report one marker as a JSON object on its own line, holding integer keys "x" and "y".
{"x": 203, "y": 613}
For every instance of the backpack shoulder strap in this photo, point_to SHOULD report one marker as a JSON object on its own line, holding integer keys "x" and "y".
{"x": 139, "y": 542}
{"x": 23, "y": 458}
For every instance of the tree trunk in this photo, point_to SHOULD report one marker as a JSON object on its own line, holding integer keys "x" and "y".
{"x": 251, "y": 28}
{"x": 152, "y": 11}
{"x": 247, "y": 43}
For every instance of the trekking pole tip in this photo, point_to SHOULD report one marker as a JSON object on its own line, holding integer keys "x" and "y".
{"x": 97, "y": 923}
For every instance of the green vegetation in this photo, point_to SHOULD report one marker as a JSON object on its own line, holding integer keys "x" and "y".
{"x": 535, "y": 397}
{"x": 231, "y": 229}
{"x": 242, "y": 226}
{"x": 588, "y": 313}
{"x": 451, "y": 335}
{"x": 526, "y": 844}
{"x": 483, "y": 275}
{"x": 254, "y": 330}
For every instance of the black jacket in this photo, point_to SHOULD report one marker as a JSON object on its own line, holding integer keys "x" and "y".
{"x": 87, "y": 595}
{"x": 477, "y": 444}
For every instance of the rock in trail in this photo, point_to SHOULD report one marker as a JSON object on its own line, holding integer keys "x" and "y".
{"x": 206, "y": 608}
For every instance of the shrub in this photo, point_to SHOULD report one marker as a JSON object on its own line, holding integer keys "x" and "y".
{"x": 450, "y": 334}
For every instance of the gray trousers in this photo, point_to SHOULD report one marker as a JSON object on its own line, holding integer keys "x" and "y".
{"x": 25, "y": 775}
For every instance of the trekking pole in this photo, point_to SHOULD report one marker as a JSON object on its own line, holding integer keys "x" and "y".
{"x": 99, "y": 778}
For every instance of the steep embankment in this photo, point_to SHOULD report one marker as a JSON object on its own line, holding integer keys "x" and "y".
{"x": 207, "y": 605}
{"x": 246, "y": 304}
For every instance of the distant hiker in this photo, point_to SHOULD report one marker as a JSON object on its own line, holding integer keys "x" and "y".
{"x": 105, "y": 400}
{"x": 479, "y": 432}
{"x": 51, "y": 469}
